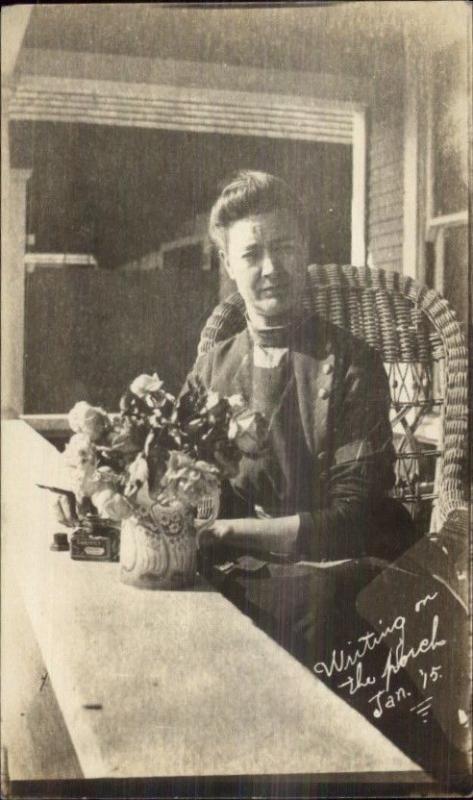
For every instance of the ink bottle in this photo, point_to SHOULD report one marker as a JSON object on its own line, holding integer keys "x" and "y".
{"x": 95, "y": 539}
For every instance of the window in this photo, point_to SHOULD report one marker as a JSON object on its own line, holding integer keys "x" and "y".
{"x": 447, "y": 178}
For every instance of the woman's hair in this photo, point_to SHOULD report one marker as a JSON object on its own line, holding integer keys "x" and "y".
{"x": 250, "y": 192}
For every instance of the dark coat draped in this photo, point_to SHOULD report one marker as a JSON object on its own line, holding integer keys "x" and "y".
{"x": 342, "y": 398}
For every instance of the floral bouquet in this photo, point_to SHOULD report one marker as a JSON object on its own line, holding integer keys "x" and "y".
{"x": 158, "y": 460}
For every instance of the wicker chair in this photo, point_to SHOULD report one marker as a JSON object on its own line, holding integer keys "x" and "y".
{"x": 425, "y": 357}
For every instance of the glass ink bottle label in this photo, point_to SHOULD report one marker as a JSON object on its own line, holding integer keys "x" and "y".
{"x": 95, "y": 540}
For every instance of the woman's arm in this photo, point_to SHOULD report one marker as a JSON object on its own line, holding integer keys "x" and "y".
{"x": 260, "y": 536}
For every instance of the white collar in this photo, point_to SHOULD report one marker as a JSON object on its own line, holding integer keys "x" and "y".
{"x": 268, "y": 357}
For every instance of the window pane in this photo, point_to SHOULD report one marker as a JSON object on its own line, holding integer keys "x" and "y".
{"x": 450, "y": 137}
{"x": 456, "y": 271}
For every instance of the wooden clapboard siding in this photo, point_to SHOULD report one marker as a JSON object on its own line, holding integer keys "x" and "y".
{"x": 187, "y": 74}
{"x": 387, "y": 225}
{"x": 385, "y": 208}
{"x": 385, "y": 175}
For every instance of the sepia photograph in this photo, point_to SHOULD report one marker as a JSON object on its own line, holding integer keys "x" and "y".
{"x": 236, "y": 308}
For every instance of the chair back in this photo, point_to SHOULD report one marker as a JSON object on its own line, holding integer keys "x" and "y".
{"x": 425, "y": 357}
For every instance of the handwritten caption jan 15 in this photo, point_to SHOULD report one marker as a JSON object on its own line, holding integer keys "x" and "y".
{"x": 349, "y": 664}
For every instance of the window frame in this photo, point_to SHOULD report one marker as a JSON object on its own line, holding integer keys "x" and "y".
{"x": 436, "y": 225}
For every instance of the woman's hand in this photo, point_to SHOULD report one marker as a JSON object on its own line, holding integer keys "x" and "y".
{"x": 278, "y": 535}
{"x": 220, "y": 530}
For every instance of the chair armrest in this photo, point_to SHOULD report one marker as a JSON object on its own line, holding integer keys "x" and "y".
{"x": 457, "y": 524}
{"x": 452, "y": 545}
{"x": 444, "y": 556}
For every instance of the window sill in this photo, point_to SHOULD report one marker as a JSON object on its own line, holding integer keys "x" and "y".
{"x": 47, "y": 423}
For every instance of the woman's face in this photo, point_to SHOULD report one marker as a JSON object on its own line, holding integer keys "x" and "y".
{"x": 264, "y": 255}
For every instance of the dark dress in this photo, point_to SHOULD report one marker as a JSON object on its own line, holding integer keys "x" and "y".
{"x": 330, "y": 460}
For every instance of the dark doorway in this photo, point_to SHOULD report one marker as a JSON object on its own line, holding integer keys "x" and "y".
{"x": 119, "y": 194}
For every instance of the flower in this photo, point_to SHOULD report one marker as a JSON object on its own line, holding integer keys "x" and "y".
{"x": 111, "y": 504}
{"x": 128, "y": 437}
{"x": 80, "y": 456}
{"x": 213, "y": 399}
{"x": 143, "y": 499}
{"x": 107, "y": 475}
{"x": 86, "y": 481}
{"x": 249, "y": 432}
{"x": 137, "y": 489}
{"x": 80, "y": 452}
{"x": 158, "y": 449}
{"x": 146, "y": 383}
{"x": 237, "y": 403}
{"x": 84, "y": 418}
{"x": 138, "y": 474}
{"x": 189, "y": 480}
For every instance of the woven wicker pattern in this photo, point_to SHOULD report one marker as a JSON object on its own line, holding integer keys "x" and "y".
{"x": 417, "y": 334}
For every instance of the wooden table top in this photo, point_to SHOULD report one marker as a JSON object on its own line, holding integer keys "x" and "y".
{"x": 166, "y": 683}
